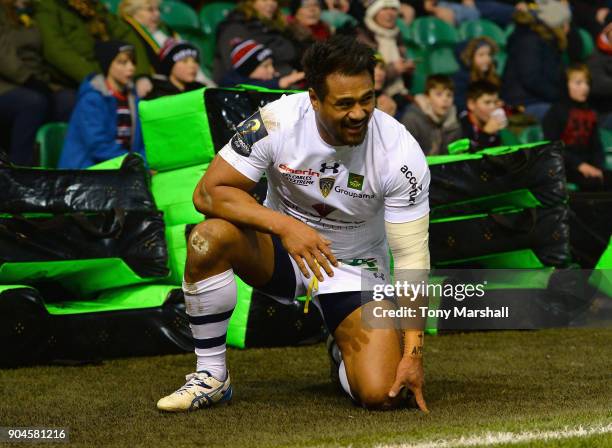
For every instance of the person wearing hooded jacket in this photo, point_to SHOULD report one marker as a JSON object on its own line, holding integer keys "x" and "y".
{"x": 104, "y": 123}
{"x": 533, "y": 76}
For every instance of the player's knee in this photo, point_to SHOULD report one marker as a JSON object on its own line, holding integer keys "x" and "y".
{"x": 376, "y": 398}
{"x": 210, "y": 240}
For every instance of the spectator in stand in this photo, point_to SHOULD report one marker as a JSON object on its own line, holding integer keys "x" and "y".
{"x": 484, "y": 118}
{"x": 411, "y": 9}
{"x": 29, "y": 96}
{"x": 305, "y": 23}
{"x": 592, "y": 15}
{"x": 261, "y": 21}
{"x": 252, "y": 63}
{"x": 533, "y": 76}
{"x": 143, "y": 17}
{"x": 600, "y": 65}
{"x": 433, "y": 121}
{"x": 105, "y": 123}
{"x": 383, "y": 101}
{"x": 500, "y": 11}
{"x": 382, "y": 34}
{"x": 70, "y": 30}
{"x": 476, "y": 60}
{"x": 178, "y": 70}
{"x": 575, "y": 123}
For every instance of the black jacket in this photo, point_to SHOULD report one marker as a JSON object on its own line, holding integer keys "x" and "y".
{"x": 576, "y": 125}
{"x": 534, "y": 71}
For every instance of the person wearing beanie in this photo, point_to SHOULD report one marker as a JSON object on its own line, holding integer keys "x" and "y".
{"x": 253, "y": 63}
{"x": 533, "y": 76}
{"x": 178, "y": 70}
{"x": 382, "y": 34}
{"x": 104, "y": 123}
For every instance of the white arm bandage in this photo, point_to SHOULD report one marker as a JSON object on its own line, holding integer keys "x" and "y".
{"x": 409, "y": 243}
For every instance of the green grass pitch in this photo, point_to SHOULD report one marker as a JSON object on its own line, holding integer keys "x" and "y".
{"x": 476, "y": 383}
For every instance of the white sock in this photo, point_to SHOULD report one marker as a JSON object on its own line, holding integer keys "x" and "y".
{"x": 209, "y": 304}
{"x": 344, "y": 380}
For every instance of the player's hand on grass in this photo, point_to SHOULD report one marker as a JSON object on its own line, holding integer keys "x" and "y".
{"x": 410, "y": 374}
{"x": 308, "y": 248}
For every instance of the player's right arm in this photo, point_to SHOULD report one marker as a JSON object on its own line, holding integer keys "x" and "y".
{"x": 223, "y": 193}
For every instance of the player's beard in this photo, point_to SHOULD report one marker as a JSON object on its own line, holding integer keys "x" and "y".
{"x": 350, "y": 138}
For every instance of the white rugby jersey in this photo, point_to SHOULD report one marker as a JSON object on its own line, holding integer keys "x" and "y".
{"x": 344, "y": 192}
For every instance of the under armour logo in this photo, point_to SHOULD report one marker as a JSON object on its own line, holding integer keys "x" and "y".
{"x": 379, "y": 275}
{"x": 333, "y": 167}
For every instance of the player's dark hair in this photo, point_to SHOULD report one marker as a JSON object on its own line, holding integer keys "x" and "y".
{"x": 339, "y": 54}
{"x": 477, "y": 89}
{"x": 442, "y": 81}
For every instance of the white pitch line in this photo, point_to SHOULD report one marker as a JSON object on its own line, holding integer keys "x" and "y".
{"x": 496, "y": 438}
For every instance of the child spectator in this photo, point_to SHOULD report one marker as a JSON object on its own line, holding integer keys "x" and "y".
{"x": 383, "y": 101}
{"x": 433, "y": 120}
{"x": 178, "y": 67}
{"x": 252, "y": 63}
{"x": 104, "y": 123}
{"x": 477, "y": 64}
{"x": 575, "y": 123}
{"x": 484, "y": 119}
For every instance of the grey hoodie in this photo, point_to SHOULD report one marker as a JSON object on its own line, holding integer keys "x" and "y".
{"x": 433, "y": 134}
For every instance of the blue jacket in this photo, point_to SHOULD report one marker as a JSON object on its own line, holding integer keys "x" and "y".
{"x": 93, "y": 127}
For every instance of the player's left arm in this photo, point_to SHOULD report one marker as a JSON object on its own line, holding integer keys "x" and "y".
{"x": 407, "y": 227}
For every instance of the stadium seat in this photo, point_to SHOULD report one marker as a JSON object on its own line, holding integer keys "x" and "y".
{"x": 606, "y": 142}
{"x": 112, "y": 5}
{"x": 179, "y": 16}
{"x": 430, "y": 31}
{"x": 49, "y": 140}
{"x": 337, "y": 19}
{"x": 509, "y": 30}
{"x": 532, "y": 134}
{"x": 441, "y": 61}
{"x": 587, "y": 44}
{"x": 500, "y": 60}
{"x": 477, "y": 28}
{"x": 212, "y": 14}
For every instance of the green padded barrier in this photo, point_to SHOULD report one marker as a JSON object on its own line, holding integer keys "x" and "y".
{"x": 236, "y": 332}
{"x": 177, "y": 252}
{"x": 111, "y": 164}
{"x": 496, "y": 203}
{"x": 602, "y": 275}
{"x": 81, "y": 277}
{"x": 497, "y": 151}
{"x": 130, "y": 298}
{"x": 4, "y": 288}
{"x": 175, "y": 130}
{"x": 519, "y": 259}
{"x": 173, "y": 194}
